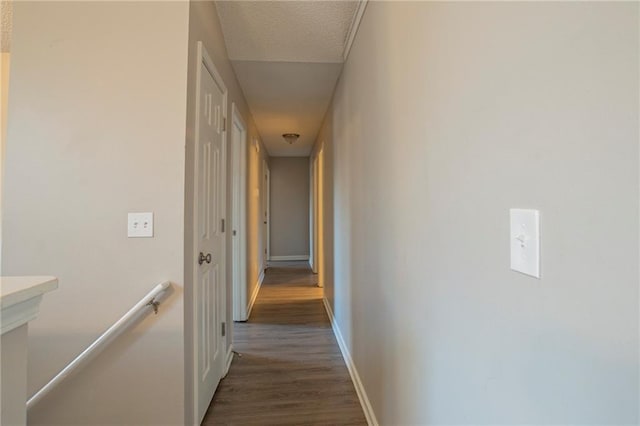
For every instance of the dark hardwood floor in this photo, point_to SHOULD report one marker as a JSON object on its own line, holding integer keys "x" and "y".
{"x": 290, "y": 371}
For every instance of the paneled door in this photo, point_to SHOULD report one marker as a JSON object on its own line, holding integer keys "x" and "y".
{"x": 209, "y": 303}
{"x": 238, "y": 141}
{"x": 266, "y": 201}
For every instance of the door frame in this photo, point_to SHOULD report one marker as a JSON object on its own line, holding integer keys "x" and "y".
{"x": 320, "y": 216}
{"x": 266, "y": 206}
{"x": 238, "y": 215}
{"x": 312, "y": 215}
{"x": 203, "y": 58}
{"x": 317, "y": 215}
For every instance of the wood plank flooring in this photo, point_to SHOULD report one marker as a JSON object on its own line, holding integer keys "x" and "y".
{"x": 291, "y": 371}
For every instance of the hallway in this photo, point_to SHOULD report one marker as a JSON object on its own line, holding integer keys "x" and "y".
{"x": 291, "y": 370}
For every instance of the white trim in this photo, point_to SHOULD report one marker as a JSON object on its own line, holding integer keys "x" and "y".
{"x": 20, "y": 299}
{"x": 239, "y": 216}
{"x": 20, "y": 314}
{"x": 319, "y": 224}
{"x": 229, "y": 360}
{"x": 353, "y": 28}
{"x": 295, "y": 257}
{"x": 254, "y": 296}
{"x": 313, "y": 217}
{"x": 353, "y": 372}
{"x": 267, "y": 210}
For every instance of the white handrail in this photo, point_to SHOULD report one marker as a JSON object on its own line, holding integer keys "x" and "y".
{"x": 147, "y": 301}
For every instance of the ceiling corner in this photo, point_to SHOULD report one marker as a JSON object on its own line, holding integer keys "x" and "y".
{"x": 353, "y": 28}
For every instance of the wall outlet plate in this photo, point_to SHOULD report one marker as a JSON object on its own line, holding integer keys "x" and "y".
{"x": 140, "y": 225}
{"x": 525, "y": 241}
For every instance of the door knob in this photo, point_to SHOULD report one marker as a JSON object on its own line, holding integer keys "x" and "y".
{"x": 202, "y": 258}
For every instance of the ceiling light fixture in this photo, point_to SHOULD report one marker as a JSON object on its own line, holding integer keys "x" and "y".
{"x": 290, "y": 137}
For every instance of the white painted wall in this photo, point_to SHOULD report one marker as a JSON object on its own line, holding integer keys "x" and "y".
{"x": 98, "y": 124}
{"x": 13, "y": 376}
{"x": 5, "y": 59}
{"x": 446, "y": 115}
{"x": 289, "y": 206}
{"x": 97, "y": 121}
{"x": 6, "y": 13}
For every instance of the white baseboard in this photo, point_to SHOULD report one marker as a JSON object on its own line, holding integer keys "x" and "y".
{"x": 353, "y": 372}
{"x": 254, "y": 296}
{"x": 229, "y": 359}
{"x": 295, "y": 257}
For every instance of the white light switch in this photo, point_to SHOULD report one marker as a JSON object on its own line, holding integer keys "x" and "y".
{"x": 525, "y": 241}
{"x": 140, "y": 225}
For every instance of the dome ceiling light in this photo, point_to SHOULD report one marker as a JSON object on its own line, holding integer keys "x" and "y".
{"x": 290, "y": 137}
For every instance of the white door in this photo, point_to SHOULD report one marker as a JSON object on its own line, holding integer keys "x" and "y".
{"x": 319, "y": 240}
{"x": 210, "y": 245}
{"x": 266, "y": 209}
{"x": 312, "y": 215}
{"x": 239, "y": 215}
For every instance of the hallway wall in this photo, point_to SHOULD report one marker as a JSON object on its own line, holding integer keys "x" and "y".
{"x": 289, "y": 207}
{"x": 5, "y": 59}
{"x": 97, "y": 124}
{"x": 446, "y": 116}
{"x": 324, "y": 142}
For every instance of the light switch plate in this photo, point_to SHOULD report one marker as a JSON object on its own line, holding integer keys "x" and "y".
{"x": 525, "y": 241}
{"x": 140, "y": 225}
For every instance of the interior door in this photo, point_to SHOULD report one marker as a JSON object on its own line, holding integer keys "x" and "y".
{"x": 239, "y": 216}
{"x": 265, "y": 211}
{"x": 210, "y": 192}
{"x": 312, "y": 215}
{"x": 320, "y": 217}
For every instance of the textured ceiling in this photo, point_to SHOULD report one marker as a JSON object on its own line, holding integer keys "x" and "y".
{"x": 286, "y": 31}
{"x": 5, "y": 25}
{"x": 294, "y": 100}
{"x": 288, "y": 56}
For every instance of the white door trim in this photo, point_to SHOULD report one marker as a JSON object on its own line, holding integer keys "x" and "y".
{"x": 312, "y": 215}
{"x": 267, "y": 209}
{"x": 239, "y": 216}
{"x": 203, "y": 58}
{"x": 320, "y": 216}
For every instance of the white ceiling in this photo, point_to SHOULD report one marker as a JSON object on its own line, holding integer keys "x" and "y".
{"x": 6, "y": 14}
{"x": 288, "y": 56}
{"x": 294, "y": 99}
